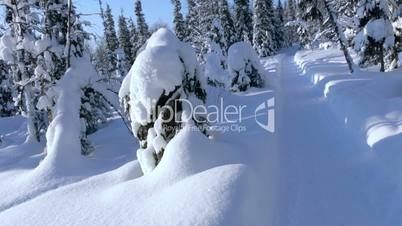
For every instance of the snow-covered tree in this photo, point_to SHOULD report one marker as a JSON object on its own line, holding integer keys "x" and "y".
{"x": 194, "y": 35}
{"x": 178, "y": 21}
{"x": 244, "y": 67}
{"x": 312, "y": 15}
{"x": 143, "y": 30}
{"x": 227, "y": 24}
{"x": 18, "y": 51}
{"x": 164, "y": 74}
{"x": 125, "y": 43}
{"x": 279, "y": 26}
{"x": 111, "y": 41}
{"x": 290, "y": 16}
{"x": 243, "y": 21}
{"x": 375, "y": 32}
{"x": 134, "y": 39}
{"x": 7, "y": 107}
{"x": 395, "y": 56}
{"x": 263, "y": 30}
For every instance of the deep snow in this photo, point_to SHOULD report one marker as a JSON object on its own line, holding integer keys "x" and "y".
{"x": 333, "y": 160}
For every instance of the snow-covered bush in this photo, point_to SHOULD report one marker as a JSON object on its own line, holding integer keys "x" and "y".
{"x": 375, "y": 32}
{"x": 244, "y": 67}
{"x": 67, "y": 133}
{"x": 164, "y": 73}
{"x": 215, "y": 67}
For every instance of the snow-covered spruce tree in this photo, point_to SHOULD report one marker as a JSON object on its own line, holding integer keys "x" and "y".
{"x": 143, "y": 30}
{"x": 279, "y": 26}
{"x": 244, "y": 67}
{"x": 178, "y": 21}
{"x": 227, "y": 24}
{"x": 133, "y": 39}
{"x": 263, "y": 30}
{"x": 100, "y": 58}
{"x": 346, "y": 10}
{"x": 7, "y": 107}
{"x": 393, "y": 59}
{"x": 125, "y": 43}
{"x": 375, "y": 32}
{"x": 211, "y": 27}
{"x": 290, "y": 12}
{"x": 194, "y": 35}
{"x": 18, "y": 51}
{"x": 163, "y": 75}
{"x": 243, "y": 21}
{"x": 111, "y": 41}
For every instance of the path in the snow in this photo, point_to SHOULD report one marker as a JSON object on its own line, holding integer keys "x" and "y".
{"x": 323, "y": 175}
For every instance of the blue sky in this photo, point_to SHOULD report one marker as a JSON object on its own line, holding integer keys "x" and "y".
{"x": 154, "y": 10}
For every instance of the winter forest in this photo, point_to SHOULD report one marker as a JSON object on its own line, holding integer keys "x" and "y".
{"x": 235, "y": 112}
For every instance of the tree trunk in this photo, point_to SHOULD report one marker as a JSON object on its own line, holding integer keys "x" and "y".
{"x": 340, "y": 36}
{"x": 68, "y": 63}
{"x": 382, "y": 61}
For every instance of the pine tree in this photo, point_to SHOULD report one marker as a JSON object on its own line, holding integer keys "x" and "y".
{"x": 371, "y": 43}
{"x": 133, "y": 39}
{"x": 243, "y": 21}
{"x": 178, "y": 21}
{"x": 22, "y": 62}
{"x": 143, "y": 30}
{"x": 194, "y": 34}
{"x": 112, "y": 43}
{"x": 393, "y": 59}
{"x": 279, "y": 25}
{"x": 290, "y": 17}
{"x": 125, "y": 42}
{"x": 6, "y": 92}
{"x": 227, "y": 23}
{"x": 263, "y": 40}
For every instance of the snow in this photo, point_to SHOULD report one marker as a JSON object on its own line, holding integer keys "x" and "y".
{"x": 334, "y": 158}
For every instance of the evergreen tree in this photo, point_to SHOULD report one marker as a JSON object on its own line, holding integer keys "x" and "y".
{"x": 178, "y": 21}
{"x": 263, "y": 40}
{"x": 125, "y": 42}
{"x": 112, "y": 43}
{"x": 227, "y": 23}
{"x": 21, "y": 60}
{"x": 243, "y": 21}
{"x": 370, "y": 42}
{"x": 143, "y": 30}
{"x": 6, "y": 92}
{"x": 194, "y": 34}
{"x": 292, "y": 33}
{"x": 133, "y": 39}
{"x": 279, "y": 26}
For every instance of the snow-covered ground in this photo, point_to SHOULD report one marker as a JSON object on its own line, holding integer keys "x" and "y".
{"x": 332, "y": 160}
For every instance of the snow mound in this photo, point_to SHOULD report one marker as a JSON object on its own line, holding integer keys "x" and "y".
{"x": 206, "y": 181}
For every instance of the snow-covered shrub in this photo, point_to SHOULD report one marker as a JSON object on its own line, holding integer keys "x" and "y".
{"x": 375, "y": 32}
{"x": 215, "y": 67}
{"x": 163, "y": 74}
{"x": 244, "y": 67}
{"x": 67, "y": 133}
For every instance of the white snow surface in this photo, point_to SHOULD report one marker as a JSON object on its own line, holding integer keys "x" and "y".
{"x": 333, "y": 160}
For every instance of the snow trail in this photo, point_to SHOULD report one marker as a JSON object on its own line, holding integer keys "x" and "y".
{"x": 324, "y": 174}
